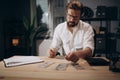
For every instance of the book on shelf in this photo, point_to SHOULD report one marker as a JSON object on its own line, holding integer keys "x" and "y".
{"x": 21, "y": 60}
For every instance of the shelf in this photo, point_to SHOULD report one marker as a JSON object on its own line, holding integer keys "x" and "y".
{"x": 98, "y": 19}
{"x": 100, "y": 35}
{"x": 103, "y": 42}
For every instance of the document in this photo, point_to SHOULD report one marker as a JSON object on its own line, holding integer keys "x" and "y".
{"x": 21, "y": 60}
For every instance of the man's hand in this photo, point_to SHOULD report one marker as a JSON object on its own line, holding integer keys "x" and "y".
{"x": 51, "y": 53}
{"x": 72, "y": 57}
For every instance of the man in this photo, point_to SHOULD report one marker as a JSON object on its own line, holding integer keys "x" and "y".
{"x": 74, "y": 35}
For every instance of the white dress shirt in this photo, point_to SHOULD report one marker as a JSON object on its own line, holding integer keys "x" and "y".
{"x": 82, "y": 37}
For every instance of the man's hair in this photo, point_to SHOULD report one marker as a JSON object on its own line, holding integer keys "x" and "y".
{"x": 75, "y": 5}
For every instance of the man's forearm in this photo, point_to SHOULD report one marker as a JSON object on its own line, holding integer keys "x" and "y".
{"x": 87, "y": 52}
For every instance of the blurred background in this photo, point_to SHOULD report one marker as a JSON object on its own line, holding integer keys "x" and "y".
{"x": 103, "y": 15}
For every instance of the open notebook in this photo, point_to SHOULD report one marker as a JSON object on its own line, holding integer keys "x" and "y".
{"x": 21, "y": 60}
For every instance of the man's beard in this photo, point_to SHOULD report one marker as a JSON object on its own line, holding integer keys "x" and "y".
{"x": 71, "y": 24}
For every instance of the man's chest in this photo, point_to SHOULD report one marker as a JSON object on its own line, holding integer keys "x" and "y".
{"x": 75, "y": 39}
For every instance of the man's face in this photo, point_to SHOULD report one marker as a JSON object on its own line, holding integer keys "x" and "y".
{"x": 72, "y": 17}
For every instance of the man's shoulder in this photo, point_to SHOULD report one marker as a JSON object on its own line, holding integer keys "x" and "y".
{"x": 85, "y": 26}
{"x": 84, "y": 23}
{"x": 61, "y": 25}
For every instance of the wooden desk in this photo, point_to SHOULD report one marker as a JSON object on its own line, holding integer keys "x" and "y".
{"x": 34, "y": 72}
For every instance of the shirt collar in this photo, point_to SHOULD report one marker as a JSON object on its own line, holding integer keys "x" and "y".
{"x": 76, "y": 28}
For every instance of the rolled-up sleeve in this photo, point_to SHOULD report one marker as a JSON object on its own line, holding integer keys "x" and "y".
{"x": 56, "y": 42}
{"x": 89, "y": 38}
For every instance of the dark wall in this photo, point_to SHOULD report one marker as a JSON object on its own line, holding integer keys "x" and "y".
{"x": 14, "y": 9}
{"x": 11, "y": 10}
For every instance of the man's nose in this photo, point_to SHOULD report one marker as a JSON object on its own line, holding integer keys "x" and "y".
{"x": 72, "y": 19}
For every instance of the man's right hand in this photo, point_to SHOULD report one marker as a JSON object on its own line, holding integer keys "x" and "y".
{"x": 52, "y": 53}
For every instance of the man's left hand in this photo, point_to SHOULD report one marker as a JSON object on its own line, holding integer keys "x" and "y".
{"x": 72, "y": 57}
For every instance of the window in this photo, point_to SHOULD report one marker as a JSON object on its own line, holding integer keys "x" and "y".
{"x": 59, "y": 3}
{"x": 50, "y": 13}
{"x": 42, "y": 12}
{"x": 58, "y": 20}
{"x": 42, "y": 17}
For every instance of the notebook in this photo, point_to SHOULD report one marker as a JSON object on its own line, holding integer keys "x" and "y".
{"x": 21, "y": 60}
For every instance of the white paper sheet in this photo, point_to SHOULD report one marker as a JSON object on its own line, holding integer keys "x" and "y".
{"x": 20, "y": 60}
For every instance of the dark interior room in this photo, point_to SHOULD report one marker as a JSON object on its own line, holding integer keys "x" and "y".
{"x": 27, "y": 30}
{"x": 104, "y": 23}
